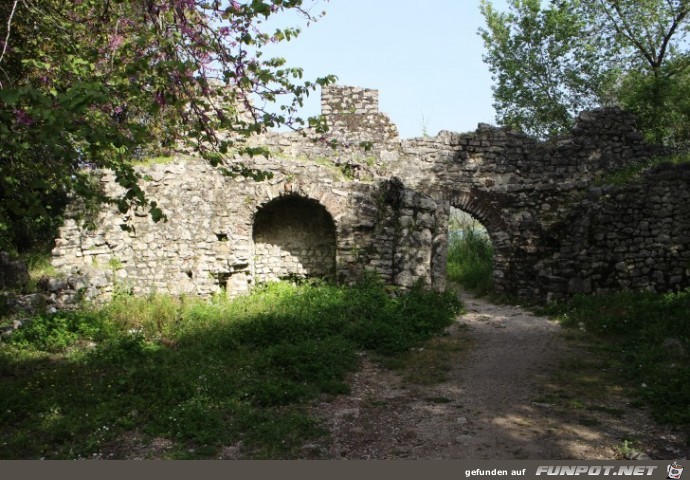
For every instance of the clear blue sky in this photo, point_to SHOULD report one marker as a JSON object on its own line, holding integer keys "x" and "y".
{"x": 424, "y": 57}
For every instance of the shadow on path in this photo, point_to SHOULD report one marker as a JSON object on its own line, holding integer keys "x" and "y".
{"x": 522, "y": 391}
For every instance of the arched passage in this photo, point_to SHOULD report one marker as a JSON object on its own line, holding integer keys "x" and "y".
{"x": 470, "y": 252}
{"x": 484, "y": 208}
{"x": 293, "y": 237}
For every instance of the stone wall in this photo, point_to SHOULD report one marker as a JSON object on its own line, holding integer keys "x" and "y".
{"x": 293, "y": 237}
{"x": 635, "y": 236}
{"x": 556, "y": 227}
{"x": 226, "y": 233}
{"x": 353, "y": 115}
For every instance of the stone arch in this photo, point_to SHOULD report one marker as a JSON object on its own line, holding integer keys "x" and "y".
{"x": 332, "y": 200}
{"x": 293, "y": 236}
{"x": 482, "y": 206}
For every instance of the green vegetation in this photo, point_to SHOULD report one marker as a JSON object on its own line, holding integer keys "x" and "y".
{"x": 625, "y": 175}
{"x": 646, "y": 337}
{"x": 89, "y": 84}
{"x": 154, "y": 160}
{"x": 430, "y": 364}
{"x": 470, "y": 254}
{"x": 115, "y": 264}
{"x": 348, "y": 171}
{"x": 38, "y": 263}
{"x": 366, "y": 145}
{"x": 337, "y": 170}
{"x": 550, "y": 60}
{"x": 39, "y": 266}
{"x": 200, "y": 374}
{"x": 631, "y": 172}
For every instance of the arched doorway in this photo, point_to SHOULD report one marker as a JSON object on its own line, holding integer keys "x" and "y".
{"x": 470, "y": 257}
{"x": 293, "y": 237}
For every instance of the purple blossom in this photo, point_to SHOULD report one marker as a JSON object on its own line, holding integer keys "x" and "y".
{"x": 22, "y": 118}
{"x": 115, "y": 42}
{"x": 159, "y": 98}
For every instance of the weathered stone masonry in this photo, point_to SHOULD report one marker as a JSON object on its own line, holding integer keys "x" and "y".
{"x": 360, "y": 199}
{"x": 293, "y": 236}
{"x": 231, "y": 233}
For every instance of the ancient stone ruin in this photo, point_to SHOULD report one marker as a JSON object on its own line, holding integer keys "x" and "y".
{"x": 360, "y": 199}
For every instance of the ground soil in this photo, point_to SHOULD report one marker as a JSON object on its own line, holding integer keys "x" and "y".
{"x": 523, "y": 388}
{"x": 516, "y": 386}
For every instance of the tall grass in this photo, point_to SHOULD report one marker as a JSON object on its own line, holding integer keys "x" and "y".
{"x": 648, "y": 336}
{"x": 38, "y": 262}
{"x": 200, "y": 374}
{"x": 470, "y": 259}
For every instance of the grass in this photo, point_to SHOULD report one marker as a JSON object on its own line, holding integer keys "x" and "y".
{"x": 645, "y": 337}
{"x": 432, "y": 362}
{"x": 585, "y": 388}
{"x": 200, "y": 374}
{"x": 154, "y": 160}
{"x": 470, "y": 260}
{"x": 631, "y": 172}
{"x": 39, "y": 266}
{"x": 38, "y": 263}
{"x": 342, "y": 173}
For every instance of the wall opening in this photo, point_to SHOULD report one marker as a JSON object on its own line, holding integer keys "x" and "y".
{"x": 293, "y": 237}
{"x": 470, "y": 261}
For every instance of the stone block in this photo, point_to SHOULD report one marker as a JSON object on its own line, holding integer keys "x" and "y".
{"x": 13, "y": 273}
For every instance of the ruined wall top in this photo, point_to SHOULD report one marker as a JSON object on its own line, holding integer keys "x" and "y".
{"x": 353, "y": 113}
{"x": 607, "y": 121}
{"x": 556, "y": 226}
{"x": 345, "y": 99}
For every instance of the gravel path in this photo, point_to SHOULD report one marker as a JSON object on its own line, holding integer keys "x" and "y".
{"x": 492, "y": 406}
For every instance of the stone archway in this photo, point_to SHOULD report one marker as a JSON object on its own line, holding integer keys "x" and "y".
{"x": 293, "y": 237}
{"x": 482, "y": 207}
{"x": 469, "y": 260}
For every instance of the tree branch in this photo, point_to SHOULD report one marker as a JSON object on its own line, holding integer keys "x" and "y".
{"x": 9, "y": 30}
{"x": 626, "y": 32}
{"x": 667, "y": 38}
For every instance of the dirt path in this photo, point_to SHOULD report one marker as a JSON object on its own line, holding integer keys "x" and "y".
{"x": 520, "y": 391}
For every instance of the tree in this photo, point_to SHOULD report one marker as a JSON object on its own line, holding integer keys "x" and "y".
{"x": 90, "y": 83}
{"x": 549, "y": 62}
{"x": 542, "y": 69}
{"x": 647, "y": 40}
